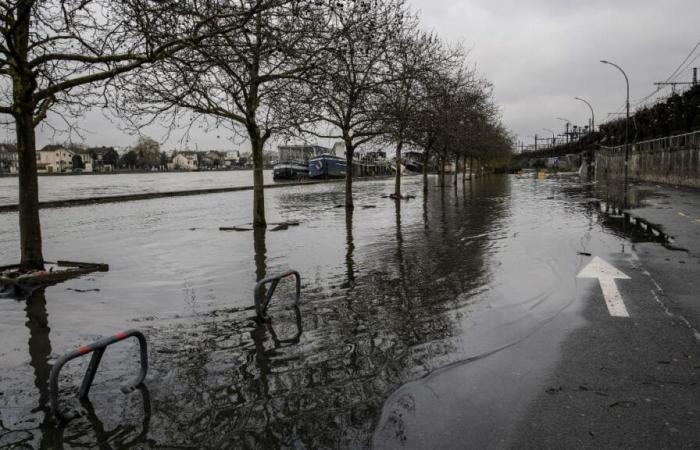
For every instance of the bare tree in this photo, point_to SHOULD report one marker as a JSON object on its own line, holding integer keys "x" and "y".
{"x": 416, "y": 59}
{"x": 349, "y": 92}
{"x": 456, "y": 120}
{"x": 244, "y": 79}
{"x": 53, "y": 56}
{"x": 148, "y": 149}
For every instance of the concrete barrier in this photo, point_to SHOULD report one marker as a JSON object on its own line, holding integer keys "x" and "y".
{"x": 673, "y": 160}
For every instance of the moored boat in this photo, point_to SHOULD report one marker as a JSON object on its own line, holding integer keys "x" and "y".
{"x": 290, "y": 170}
{"x": 327, "y": 166}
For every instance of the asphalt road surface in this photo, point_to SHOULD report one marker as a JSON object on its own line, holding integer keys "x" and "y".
{"x": 625, "y": 378}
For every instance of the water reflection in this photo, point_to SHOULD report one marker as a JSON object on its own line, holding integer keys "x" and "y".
{"x": 124, "y": 435}
{"x": 318, "y": 375}
{"x": 325, "y": 387}
{"x": 39, "y": 359}
{"x": 425, "y": 210}
{"x": 39, "y": 345}
{"x": 349, "y": 249}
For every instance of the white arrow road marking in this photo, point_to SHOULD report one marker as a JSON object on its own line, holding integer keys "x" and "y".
{"x": 606, "y": 275}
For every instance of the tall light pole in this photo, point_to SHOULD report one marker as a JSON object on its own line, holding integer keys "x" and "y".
{"x": 592, "y": 113}
{"x": 554, "y": 136}
{"x": 568, "y": 123}
{"x": 627, "y": 121}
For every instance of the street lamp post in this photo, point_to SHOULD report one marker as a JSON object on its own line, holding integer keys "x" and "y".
{"x": 568, "y": 124}
{"x": 554, "y": 136}
{"x": 627, "y": 121}
{"x": 592, "y": 113}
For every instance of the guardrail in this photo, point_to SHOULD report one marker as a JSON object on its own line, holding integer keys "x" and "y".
{"x": 678, "y": 141}
{"x": 97, "y": 349}
{"x": 260, "y": 305}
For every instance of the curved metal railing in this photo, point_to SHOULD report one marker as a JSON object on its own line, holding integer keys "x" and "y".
{"x": 97, "y": 349}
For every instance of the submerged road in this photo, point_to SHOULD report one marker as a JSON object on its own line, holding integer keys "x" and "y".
{"x": 506, "y": 313}
{"x": 618, "y": 368}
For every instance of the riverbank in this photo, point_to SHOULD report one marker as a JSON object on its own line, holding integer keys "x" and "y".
{"x": 127, "y": 172}
{"x": 152, "y": 195}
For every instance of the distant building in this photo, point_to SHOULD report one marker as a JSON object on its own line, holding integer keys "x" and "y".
{"x": 373, "y": 156}
{"x": 338, "y": 149}
{"x": 9, "y": 158}
{"x": 54, "y": 159}
{"x": 212, "y": 159}
{"x": 86, "y": 157}
{"x": 185, "y": 160}
{"x": 301, "y": 153}
{"x": 232, "y": 158}
{"x": 97, "y": 155}
{"x": 246, "y": 160}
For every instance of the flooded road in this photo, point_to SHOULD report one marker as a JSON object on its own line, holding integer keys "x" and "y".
{"x": 416, "y": 317}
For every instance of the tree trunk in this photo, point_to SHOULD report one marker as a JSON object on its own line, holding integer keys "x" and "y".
{"x": 29, "y": 224}
{"x": 426, "y": 157}
{"x": 442, "y": 172}
{"x": 349, "y": 152}
{"x": 257, "y": 144}
{"x": 23, "y": 86}
{"x": 464, "y": 169}
{"x": 471, "y": 168}
{"x": 454, "y": 178}
{"x": 397, "y": 190}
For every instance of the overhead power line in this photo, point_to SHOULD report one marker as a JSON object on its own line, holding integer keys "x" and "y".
{"x": 676, "y": 73}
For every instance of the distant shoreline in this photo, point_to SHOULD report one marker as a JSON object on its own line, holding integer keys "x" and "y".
{"x": 153, "y": 195}
{"x": 125, "y": 172}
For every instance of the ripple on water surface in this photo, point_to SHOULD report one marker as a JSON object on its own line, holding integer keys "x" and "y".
{"x": 390, "y": 294}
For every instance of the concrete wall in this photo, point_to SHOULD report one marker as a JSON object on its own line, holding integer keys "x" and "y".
{"x": 677, "y": 166}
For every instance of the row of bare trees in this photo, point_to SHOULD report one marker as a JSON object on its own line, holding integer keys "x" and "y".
{"x": 358, "y": 71}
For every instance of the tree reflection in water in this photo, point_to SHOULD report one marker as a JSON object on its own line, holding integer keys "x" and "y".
{"x": 229, "y": 381}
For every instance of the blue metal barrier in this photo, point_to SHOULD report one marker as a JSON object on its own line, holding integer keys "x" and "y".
{"x": 97, "y": 349}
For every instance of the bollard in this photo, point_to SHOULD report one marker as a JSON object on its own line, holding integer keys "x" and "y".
{"x": 97, "y": 349}
{"x": 260, "y": 306}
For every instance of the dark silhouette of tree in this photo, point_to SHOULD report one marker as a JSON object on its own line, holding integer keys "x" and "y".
{"x": 111, "y": 157}
{"x": 78, "y": 162}
{"x": 347, "y": 96}
{"x": 415, "y": 59}
{"x": 129, "y": 160}
{"x": 54, "y": 54}
{"x": 243, "y": 77}
{"x": 148, "y": 149}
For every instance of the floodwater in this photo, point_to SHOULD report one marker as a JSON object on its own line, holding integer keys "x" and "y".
{"x": 64, "y": 187}
{"x": 391, "y": 294}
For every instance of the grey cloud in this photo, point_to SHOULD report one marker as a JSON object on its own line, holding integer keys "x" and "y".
{"x": 539, "y": 54}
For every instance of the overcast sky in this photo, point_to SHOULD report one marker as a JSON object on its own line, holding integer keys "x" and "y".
{"x": 539, "y": 54}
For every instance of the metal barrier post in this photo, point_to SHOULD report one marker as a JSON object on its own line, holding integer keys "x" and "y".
{"x": 90, "y": 374}
{"x": 261, "y": 307}
{"x": 97, "y": 348}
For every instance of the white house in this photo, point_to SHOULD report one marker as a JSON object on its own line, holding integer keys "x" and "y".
{"x": 231, "y": 158}
{"x": 185, "y": 161}
{"x": 54, "y": 159}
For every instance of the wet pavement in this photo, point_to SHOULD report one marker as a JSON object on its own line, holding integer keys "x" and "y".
{"x": 455, "y": 320}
